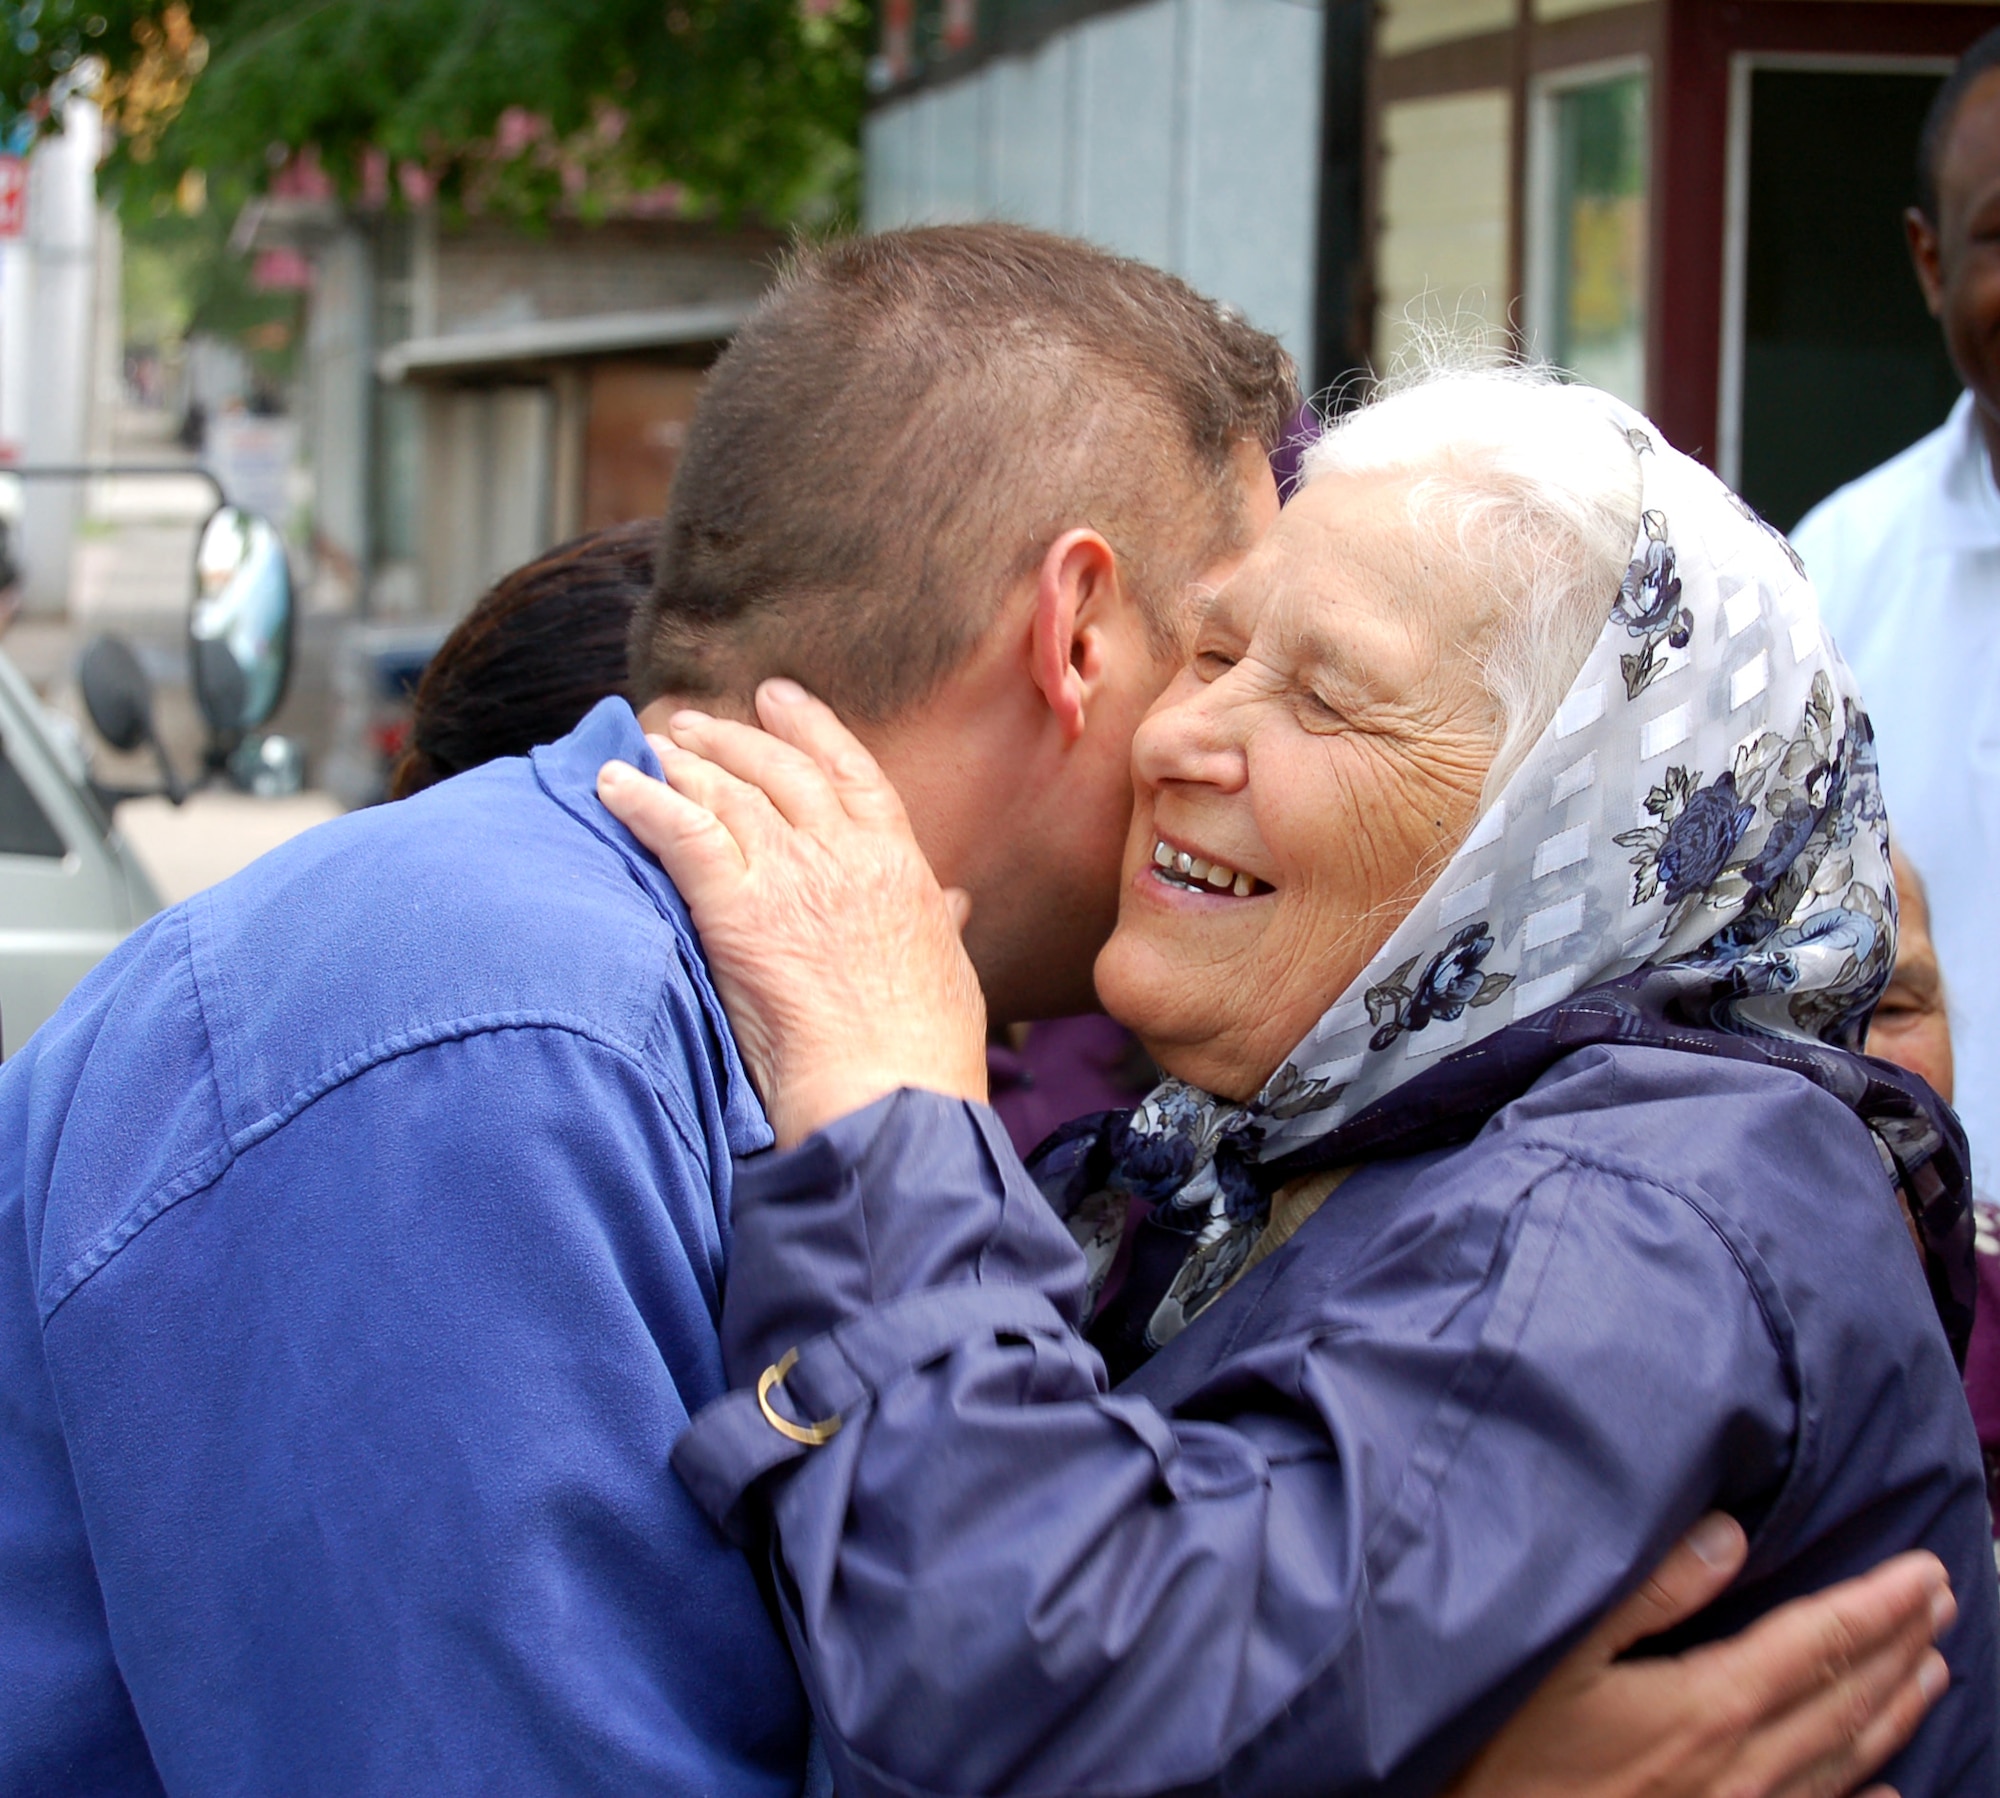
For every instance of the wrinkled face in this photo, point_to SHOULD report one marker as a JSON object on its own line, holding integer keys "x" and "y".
{"x": 1962, "y": 283}
{"x": 1910, "y": 1026}
{"x": 1299, "y": 785}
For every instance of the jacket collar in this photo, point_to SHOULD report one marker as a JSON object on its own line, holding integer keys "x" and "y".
{"x": 567, "y": 771}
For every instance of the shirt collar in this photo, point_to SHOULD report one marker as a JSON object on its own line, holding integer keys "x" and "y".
{"x": 567, "y": 771}
{"x": 1968, "y": 504}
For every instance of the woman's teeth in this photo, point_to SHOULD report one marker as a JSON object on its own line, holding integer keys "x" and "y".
{"x": 1191, "y": 871}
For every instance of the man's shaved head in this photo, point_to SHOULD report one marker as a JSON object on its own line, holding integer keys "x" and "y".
{"x": 905, "y": 425}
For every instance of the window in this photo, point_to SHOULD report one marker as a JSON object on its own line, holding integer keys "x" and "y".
{"x": 1588, "y": 279}
{"x": 24, "y": 827}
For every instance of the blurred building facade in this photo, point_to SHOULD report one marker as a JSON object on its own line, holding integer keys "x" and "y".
{"x": 475, "y": 393}
{"x": 60, "y": 345}
{"x": 1695, "y": 203}
{"x": 471, "y": 394}
{"x": 1184, "y": 132}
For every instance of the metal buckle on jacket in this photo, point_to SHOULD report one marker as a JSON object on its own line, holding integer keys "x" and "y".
{"x": 811, "y": 1435}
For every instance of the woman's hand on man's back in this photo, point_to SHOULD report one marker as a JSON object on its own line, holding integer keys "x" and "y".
{"x": 832, "y": 946}
{"x": 1807, "y": 1703}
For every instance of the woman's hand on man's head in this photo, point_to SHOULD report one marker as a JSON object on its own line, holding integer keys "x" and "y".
{"x": 1807, "y": 1703}
{"x": 832, "y": 946}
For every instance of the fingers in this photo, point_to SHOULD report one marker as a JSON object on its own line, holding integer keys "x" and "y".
{"x": 793, "y": 782}
{"x": 744, "y": 809}
{"x": 788, "y": 711}
{"x": 1807, "y": 1644}
{"x": 1845, "y": 1731}
{"x": 1693, "y": 1576}
{"x": 1892, "y": 1727}
{"x": 701, "y": 857}
{"x": 1821, "y": 1692}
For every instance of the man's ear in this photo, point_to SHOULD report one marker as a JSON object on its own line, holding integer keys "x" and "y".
{"x": 1924, "y": 254}
{"x": 1077, "y": 582}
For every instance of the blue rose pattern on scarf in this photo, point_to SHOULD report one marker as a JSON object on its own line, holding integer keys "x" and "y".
{"x": 1450, "y": 982}
{"x": 1649, "y": 606}
{"x": 1686, "y": 850}
{"x": 1755, "y": 919}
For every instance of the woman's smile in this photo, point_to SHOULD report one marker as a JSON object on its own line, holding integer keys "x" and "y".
{"x": 1295, "y": 786}
{"x": 1183, "y": 870}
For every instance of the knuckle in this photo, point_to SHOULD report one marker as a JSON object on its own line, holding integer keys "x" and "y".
{"x": 1840, "y": 1648}
{"x": 1828, "y": 1778}
{"x": 851, "y": 766}
{"x": 1855, "y": 1712}
{"x": 1734, "y": 1711}
{"x": 1739, "y": 1780}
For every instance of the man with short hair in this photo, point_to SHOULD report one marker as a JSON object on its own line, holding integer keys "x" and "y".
{"x": 1907, "y": 564}
{"x": 1040, "y": 453}
{"x": 363, "y": 1221}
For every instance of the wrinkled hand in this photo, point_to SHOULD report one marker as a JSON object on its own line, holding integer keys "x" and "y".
{"x": 1806, "y": 1703}
{"x": 831, "y": 944}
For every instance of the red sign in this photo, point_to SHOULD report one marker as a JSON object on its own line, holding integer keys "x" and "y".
{"x": 13, "y": 196}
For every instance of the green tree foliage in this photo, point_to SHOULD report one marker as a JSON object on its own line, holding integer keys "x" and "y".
{"x": 519, "y": 106}
{"x": 179, "y": 278}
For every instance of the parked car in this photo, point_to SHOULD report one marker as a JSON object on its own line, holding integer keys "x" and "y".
{"x": 70, "y": 888}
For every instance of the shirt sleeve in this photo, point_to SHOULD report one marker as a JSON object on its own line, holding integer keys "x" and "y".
{"x": 371, "y": 1438}
{"x": 1382, "y": 1519}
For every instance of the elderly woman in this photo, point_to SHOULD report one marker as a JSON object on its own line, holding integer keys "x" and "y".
{"x": 1507, "y": 891}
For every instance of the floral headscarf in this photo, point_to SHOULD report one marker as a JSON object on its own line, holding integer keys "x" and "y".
{"x": 1694, "y": 854}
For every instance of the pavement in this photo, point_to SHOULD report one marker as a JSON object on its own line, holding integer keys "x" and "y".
{"x": 189, "y": 847}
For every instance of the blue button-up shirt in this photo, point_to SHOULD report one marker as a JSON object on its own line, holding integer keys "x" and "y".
{"x": 362, "y": 1225}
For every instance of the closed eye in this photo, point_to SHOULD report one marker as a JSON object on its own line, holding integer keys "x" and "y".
{"x": 1212, "y": 664}
{"x": 1318, "y": 712}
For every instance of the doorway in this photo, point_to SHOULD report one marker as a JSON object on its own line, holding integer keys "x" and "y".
{"x": 1830, "y": 362}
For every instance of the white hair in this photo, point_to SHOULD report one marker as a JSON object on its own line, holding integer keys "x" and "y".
{"x": 1535, "y": 487}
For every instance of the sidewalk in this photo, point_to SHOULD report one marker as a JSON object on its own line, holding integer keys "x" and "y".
{"x": 193, "y": 846}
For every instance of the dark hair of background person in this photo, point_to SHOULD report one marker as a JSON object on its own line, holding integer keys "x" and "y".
{"x": 907, "y": 413}
{"x": 1984, "y": 55}
{"x": 531, "y": 658}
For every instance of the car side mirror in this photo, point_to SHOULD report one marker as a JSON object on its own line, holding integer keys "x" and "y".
{"x": 239, "y": 627}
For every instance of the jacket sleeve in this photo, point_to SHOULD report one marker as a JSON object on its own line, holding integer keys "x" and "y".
{"x": 371, "y": 1439}
{"x": 1384, "y": 1519}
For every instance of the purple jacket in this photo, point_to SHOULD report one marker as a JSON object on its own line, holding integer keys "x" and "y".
{"x": 1982, "y": 1361}
{"x": 1332, "y": 1534}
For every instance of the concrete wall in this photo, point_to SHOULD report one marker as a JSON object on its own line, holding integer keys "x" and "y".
{"x": 484, "y": 274}
{"x": 339, "y": 390}
{"x": 1185, "y": 132}
{"x": 49, "y": 365}
{"x": 486, "y": 487}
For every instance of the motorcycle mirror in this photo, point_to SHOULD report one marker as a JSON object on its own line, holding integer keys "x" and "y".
{"x": 119, "y": 698}
{"x": 116, "y": 693}
{"x": 240, "y": 624}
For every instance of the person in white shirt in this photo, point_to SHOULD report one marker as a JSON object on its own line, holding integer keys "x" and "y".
{"x": 1907, "y": 564}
